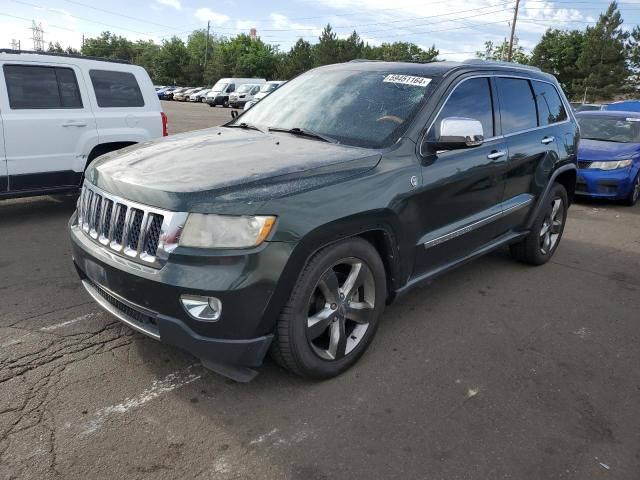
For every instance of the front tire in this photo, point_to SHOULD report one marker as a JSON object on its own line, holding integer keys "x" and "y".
{"x": 333, "y": 311}
{"x": 538, "y": 247}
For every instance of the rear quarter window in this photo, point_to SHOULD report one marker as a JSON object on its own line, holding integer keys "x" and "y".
{"x": 550, "y": 107}
{"x": 116, "y": 89}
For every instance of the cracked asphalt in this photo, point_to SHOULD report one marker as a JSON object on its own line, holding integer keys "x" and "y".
{"x": 494, "y": 371}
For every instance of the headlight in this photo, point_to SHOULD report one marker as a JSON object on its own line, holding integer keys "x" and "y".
{"x": 611, "y": 165}
{"x": 223, "y": 231}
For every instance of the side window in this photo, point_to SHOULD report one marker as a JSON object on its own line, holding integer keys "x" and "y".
{"x": 231, "y": 88}
{"x": 550, "y": 107}
{"x": 116, "y": 89}
{"x": 34, "y": 87}
{"x": 518, "y": 106}
{"x": 470, "y": 99}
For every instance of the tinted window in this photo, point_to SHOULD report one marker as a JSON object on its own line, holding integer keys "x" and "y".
{"x": 41, "y": 87}
{"x": 550, "y": 107}
{"x": 116, "y": 89}
{"x": 518, "y": 107}
{"x": 471, "y": 99}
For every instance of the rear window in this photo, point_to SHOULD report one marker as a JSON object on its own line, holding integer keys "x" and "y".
{"x": 116, "y": 89}
{"x": 518, "y": 106}
{"x": 550, "y": 107}
{"x": 36, "y": 87}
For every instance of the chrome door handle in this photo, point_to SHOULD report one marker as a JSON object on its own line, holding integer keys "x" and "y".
{"x": 74, "y": 124}
{"x": 496, "y": 155}
{"x": 548, "y": 140}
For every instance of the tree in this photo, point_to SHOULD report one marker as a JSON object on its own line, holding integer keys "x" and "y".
{"x": 402, "y": 52}
{"x": 298, "y": 60}
{"x": 55, "y": 47}
{"x": 108, "y": 45}
{"x": 557, "y": 53}
{"x": 500, "y": 52}
{"x": 324, "y": 52}
{"x": 602, "y": 66}
{"x": 170, "y": 65}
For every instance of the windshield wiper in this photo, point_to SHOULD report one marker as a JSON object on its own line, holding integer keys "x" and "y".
{"x": 304, "y": 133}
{"x": 246, "y": 126}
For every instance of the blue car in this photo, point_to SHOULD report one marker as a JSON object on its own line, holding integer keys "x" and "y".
{"x": 609, "y": 155}
{"x": 624, "y": 106}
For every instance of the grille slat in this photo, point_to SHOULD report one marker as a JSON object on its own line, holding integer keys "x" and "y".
{"x": 585, "y": 164}
{"x": 127, "y": 228}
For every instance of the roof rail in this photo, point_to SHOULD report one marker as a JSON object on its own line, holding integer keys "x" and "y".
{"x": 66, "y": 55}
{"x": 480, "y": 61}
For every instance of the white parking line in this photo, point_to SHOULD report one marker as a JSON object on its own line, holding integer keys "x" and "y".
{"x": 68, "y": 322}
{"x": 159, "y": 387}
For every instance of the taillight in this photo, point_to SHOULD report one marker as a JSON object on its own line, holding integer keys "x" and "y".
{"x": 165, "y": 124}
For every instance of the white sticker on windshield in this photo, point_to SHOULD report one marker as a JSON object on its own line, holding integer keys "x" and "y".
{"x": 407, "y": 80}
{"x": 632, "y": 119}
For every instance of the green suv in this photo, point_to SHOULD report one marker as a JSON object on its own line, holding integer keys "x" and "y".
{"x": 288, "y": 229}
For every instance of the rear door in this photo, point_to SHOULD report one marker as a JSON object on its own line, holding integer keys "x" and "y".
{"x": 48, "y": 125}
{"x": 529, "y": 113}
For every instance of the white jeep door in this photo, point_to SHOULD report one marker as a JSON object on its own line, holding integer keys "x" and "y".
{"x": 49, "y": 127}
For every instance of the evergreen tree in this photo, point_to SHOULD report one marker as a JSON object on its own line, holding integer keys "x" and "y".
{"x": 557, "y": 53}
{"x": 602, "y": 66}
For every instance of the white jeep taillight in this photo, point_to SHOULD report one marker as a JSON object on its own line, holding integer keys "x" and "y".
{"x": 165, "y": 124}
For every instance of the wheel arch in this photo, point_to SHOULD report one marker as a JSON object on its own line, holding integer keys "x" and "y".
{"x": 103, "y": 148}
{"x": 381, "y": 229}
{"x": 566, "y": 175}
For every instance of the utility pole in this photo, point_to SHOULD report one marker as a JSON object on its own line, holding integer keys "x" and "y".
{"x": 206, "y": 49}
{"x": 513, "y": 31}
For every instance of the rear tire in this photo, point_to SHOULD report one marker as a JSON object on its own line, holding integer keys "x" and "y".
{"x": 333, "y": 311}
{"x": 632, "y": 199}
{"x": 540, "y": 244}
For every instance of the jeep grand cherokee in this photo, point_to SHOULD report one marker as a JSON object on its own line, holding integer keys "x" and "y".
{"x": 289, "y": 228}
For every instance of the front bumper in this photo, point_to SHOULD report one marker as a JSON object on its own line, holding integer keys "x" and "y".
{"x": 612, "y": 184}
{"x": 147, "y": 299}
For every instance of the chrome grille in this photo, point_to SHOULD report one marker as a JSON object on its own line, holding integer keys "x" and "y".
{"x": 141, "y": 233}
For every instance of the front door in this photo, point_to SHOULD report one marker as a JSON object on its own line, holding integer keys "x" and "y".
{"x": 47, "y": 123}
{"x": 461, "y": 189}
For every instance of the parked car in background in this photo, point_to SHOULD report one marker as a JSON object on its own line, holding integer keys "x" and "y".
{"x": 609, "y": 155}
{"x": 243, "y": 94}
{"x": 265, "y": 90}
{"x": 58, "y": 113}
{"x": 199, "y": 95}
{"x": 176, "y": 91}
{"x": 624, "y": 106}
{"x": 313, "y": 218}
{"x": 164, "y": 93}
{"x": 183, "y": 96}
{"x": 219, "y": 94}
{"x": 588, "y": 107}
{"x": 159, "y": 87}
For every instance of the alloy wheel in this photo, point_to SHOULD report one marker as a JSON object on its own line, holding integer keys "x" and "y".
{"x": 341, "y": 309}
{"x": 552, "y": 226}
{"x": 636, "y": 189}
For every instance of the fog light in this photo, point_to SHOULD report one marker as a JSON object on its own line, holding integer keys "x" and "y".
{"x": 207, "y": 309}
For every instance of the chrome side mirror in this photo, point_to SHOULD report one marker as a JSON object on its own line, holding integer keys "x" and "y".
{"x": 456, "y": 133}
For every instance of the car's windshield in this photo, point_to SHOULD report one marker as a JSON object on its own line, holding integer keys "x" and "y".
{"x": 267, "y": 87}
{"x": 620, "y": 130}
{"x": 245, "y": 88}
{"x": 351, "y": 106}
{"x": 220, "y": 86}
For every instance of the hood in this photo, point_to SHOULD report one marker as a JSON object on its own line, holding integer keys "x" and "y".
{"x": 206, "y": 170}
{"x": 597, "y": 150}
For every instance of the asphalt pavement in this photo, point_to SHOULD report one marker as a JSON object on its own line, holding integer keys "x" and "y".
{"x": 494, "y": 371}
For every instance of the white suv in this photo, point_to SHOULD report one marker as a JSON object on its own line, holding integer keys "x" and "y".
{"x": 60, "y": 112}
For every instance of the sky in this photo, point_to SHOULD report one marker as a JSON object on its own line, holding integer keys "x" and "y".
{"x": 458, "y": 28}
